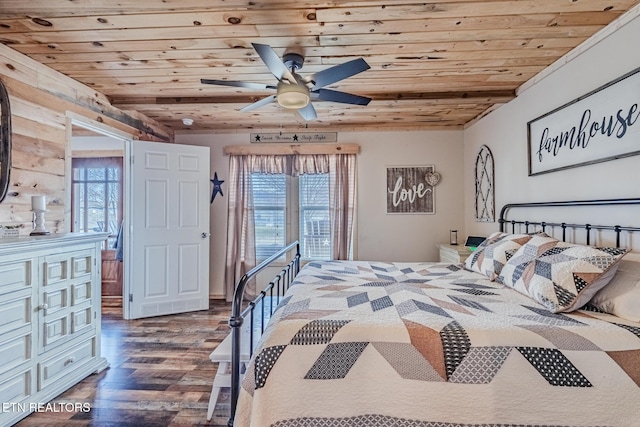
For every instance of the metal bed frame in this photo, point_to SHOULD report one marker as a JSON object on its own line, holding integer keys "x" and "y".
{"x": 283, "y": 280}
{"x": 279, "y": 286}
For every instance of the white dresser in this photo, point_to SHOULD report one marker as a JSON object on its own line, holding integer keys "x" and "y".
{"x": 49, "y": 318}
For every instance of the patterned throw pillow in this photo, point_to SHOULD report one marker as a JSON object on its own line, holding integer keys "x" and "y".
{"x": 492, "y": 254}
{"x": 560, "y": 276}
{"x": 530, "y": 250}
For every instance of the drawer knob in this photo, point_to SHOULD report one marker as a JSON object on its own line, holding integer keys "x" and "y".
{"x": 43, "y": 306}
{"x": 71, "y": 360}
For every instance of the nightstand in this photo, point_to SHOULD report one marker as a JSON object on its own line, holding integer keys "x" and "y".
{"x": 455, "y": 254}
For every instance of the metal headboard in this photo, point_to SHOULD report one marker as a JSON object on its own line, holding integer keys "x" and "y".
{"x": 617, "y": 229}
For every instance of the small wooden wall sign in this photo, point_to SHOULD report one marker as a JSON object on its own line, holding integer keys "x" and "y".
{"x": 411, "y": 189}
{"x": 295, "y": 137}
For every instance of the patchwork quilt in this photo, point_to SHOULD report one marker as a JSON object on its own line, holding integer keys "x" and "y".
{"x": 428, "y": 344}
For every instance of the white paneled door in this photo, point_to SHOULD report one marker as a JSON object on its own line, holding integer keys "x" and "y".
{"x": 166, "y": 229}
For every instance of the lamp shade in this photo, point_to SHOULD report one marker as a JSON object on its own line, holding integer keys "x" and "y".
{"x": 292, "y": 95}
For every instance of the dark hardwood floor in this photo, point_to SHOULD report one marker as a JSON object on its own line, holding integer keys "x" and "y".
{"x": 159, "y": 375}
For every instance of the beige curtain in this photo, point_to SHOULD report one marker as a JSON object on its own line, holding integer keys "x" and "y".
{"x": 309, "y": 164}
{"x": 342, "y": 203}
{"x": 241, "y": 250}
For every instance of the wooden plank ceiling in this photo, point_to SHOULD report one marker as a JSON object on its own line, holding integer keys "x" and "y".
{"x": 433, "y": 65}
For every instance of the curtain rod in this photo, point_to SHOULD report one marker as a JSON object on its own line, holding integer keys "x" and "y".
{"x": 290, "y": 149}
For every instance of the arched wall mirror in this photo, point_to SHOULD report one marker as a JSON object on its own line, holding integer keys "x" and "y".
{"x": 5, "y": 141}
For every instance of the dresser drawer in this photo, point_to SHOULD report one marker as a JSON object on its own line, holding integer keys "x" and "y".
{"x": 14, "y": 352}
{"x": 15, "y": 313}
{"x": 65, "y": 361}
{"x": 15, "y": 275}
{"x": 17, "y": 387}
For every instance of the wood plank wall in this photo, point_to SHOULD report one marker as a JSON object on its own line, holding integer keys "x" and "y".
{"x": 41, "y": 100}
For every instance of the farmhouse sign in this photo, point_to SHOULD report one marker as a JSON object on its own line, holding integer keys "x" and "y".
{"x": 411, "y": 189}
{"x": 599, "y": 126}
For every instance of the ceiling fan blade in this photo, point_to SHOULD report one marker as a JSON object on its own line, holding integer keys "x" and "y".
{"x": 260, "y": 103}
{"x": 273, "y": 62}
{"x": 343, "y": 97}
{"x": 248, "y": 85}
{"x": 308, "y": 113}
{"x": 336, "y": 73}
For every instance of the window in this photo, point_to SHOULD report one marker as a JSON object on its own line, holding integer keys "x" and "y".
{"x": 313, "y": 200}
{"x": 292, "y": 208}
{"x": 97, "y": 196}
{"x": 270, "y": 213}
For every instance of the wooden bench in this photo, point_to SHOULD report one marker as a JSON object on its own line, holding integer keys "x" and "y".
{"x": 222, "y": 354}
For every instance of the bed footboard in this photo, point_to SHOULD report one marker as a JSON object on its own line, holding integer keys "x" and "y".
{"x": 274, "y": 289}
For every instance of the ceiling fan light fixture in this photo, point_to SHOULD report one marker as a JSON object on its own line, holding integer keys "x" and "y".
{"x": 293, "y": 96}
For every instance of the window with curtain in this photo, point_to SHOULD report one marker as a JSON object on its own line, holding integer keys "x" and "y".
{"x": 96, "y": 196}
{"x": 292, "y": 208}
{"x": 316, "y": 207}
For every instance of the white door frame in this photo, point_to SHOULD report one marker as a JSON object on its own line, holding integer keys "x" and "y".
{"x": 74, "y": 119}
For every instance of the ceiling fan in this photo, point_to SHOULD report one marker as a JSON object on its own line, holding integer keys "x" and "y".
{"x": 294, "y": 91}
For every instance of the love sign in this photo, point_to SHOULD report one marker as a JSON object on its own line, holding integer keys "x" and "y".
{"x": 411, "y": 189}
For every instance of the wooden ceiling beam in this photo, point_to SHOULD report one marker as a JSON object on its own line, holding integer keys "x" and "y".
{"x": 241, "y": 46}
{"x": 250, "y": 58}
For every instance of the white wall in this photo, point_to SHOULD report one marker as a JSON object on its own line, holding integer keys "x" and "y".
{"x": 407, "y": 237}
{"x": 379, "y": 236}
{"x": 505, "y": 132}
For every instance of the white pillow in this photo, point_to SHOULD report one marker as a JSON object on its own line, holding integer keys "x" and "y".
{"x": 621, "y": 296}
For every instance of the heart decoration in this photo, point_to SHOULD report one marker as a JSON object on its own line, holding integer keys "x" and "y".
{"x": 432, "y": 178}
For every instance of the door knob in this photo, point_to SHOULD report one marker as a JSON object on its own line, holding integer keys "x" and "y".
{"x": 205, "y": 235}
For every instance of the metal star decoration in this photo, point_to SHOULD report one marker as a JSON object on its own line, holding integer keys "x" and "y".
{"x": 217, "y": 186}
